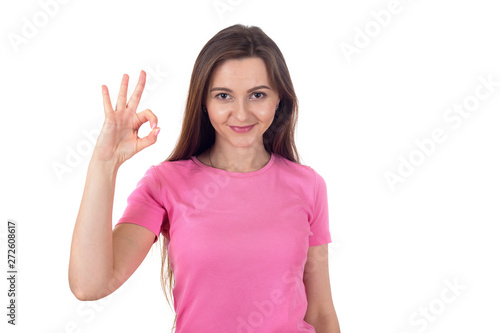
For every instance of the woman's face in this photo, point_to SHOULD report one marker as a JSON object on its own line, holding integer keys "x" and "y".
{"x": 240, "y": 94}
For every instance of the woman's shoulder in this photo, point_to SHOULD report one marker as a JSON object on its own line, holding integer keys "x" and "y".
{"x": 174, "y": 168}
{"x": 293, "y": 169}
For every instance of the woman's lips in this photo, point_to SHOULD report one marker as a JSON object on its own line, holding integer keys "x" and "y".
{"x": 240, "y": 129}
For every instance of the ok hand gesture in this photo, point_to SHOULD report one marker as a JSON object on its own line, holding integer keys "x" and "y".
{"x": 118, "y": 140}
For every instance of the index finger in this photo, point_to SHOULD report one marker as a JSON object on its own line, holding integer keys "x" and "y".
{"x": 136, "y": 95}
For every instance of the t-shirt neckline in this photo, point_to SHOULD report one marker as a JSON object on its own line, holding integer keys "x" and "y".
{"x": 266, "y": 167}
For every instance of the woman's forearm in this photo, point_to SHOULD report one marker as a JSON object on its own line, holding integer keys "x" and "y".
{"x": 91, "y": 257}
{"x": 327, "y": 324}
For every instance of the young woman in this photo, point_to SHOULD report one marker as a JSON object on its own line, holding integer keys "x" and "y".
{"x": 243, "y": 225}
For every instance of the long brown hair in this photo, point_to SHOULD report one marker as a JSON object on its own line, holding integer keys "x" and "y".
{"x": 197, "y": 133}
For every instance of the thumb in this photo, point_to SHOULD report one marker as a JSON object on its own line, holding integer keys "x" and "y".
{"x": 148, "y": 140}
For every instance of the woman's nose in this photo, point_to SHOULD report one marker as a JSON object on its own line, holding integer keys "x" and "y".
{"x": 240, "y": 111}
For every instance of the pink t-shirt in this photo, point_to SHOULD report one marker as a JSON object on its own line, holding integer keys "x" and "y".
{"x": 238, "y": 241}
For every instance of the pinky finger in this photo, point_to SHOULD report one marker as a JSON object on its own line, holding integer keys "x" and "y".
{"x": 108, "y": 107}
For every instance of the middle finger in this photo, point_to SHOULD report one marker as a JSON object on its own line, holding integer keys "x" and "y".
{"x": 136, "y": 95}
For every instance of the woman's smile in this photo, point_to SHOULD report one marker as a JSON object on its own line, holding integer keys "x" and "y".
{"x": 242, "y": 129}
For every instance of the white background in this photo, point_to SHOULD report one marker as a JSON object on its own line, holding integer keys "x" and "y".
{"x": 393, "y": 249}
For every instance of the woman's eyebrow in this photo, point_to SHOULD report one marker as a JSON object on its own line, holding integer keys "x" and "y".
{"x": 249, "y": 90}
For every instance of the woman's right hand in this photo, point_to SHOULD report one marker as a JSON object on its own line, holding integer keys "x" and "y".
{"x": 118, "y": 140}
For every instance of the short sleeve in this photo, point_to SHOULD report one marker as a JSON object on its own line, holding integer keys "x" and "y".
{"x": 144, "y": 206}
{"x": 320, "y": 226}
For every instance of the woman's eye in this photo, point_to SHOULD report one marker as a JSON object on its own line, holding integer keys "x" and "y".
{"x": 222, "y": 96}
{"x": 259, "y": 95}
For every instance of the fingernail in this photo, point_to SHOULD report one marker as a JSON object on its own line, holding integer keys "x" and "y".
{"x": 157, "y": 131}
{"x": 154, "y": 125}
